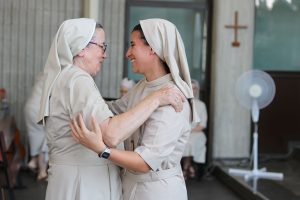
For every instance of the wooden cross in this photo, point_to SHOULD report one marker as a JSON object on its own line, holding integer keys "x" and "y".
{"x": 236, "y": 43}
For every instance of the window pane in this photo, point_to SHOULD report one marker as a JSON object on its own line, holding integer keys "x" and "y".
{"x": 277, "y": 35}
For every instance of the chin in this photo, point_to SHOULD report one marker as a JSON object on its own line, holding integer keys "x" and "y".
{"x": 94, "y": 73}
{"x": 97, "y": 71}
{"x": 134, "y": 70}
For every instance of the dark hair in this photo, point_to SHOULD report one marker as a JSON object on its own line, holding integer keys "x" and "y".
{"x": 138, "y": 28}
{"x": 98, "y": 25}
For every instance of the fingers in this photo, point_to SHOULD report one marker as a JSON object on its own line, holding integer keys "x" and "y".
{"x": 173, "y": 90}
{"x": 178, "y": 94}
{"x": 74, "y": 132}
{"x": 178, "y": 105}
{"x": 75, "y": 128}
{"x": 81, "y": 123}
{"x": 179, "y": 98}
{"x": 96, "y": 127}
{"x": 78, "y": 128}
{"x": 171, "y": 95}
{"x": 182, "y": 97}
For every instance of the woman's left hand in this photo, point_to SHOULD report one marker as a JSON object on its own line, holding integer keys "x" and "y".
{"x": 90, "y": 139}
{"x": 170, "y": 95}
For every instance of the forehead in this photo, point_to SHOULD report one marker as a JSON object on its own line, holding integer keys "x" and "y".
{"x": 99, "y": 35}
{"x": 135, "y": 36}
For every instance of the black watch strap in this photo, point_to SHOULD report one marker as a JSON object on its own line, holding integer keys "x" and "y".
{"x": 105, "y": 153}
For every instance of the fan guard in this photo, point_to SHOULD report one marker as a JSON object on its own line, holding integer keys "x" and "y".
{"x": 255, "y": 85}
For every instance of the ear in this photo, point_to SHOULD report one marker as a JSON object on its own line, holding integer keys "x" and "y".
{"x": 152, "y": 52}
{"x": 82, "y": 53}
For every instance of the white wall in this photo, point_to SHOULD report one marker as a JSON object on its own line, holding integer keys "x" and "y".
{"x": 27, "y": 28}
{"x": 26, "y": 31}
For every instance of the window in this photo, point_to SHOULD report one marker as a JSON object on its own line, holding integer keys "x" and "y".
{"x": 277, "y": 31}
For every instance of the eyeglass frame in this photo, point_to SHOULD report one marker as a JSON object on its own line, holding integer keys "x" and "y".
{"x": 103, "y": 46}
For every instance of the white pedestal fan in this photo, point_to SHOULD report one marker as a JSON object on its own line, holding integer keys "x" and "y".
{"x": 255, "y": 90}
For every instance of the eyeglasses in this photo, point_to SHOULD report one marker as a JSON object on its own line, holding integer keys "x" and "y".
{"x": 103, "y": 46}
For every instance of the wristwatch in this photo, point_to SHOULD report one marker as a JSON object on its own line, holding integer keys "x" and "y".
{"x": 105, "y": 153}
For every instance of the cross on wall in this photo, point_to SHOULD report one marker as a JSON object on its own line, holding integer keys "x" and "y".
{"x": 235, "y": 27}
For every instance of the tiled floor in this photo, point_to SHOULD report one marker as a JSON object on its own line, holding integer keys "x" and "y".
{"x": 288, "y": 188}
{"x": 291, "y": 171}
{"x": 34, "y": 190}
{"x": 208, "y": 188}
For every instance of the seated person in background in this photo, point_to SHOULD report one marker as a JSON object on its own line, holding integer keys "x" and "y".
{"x": 36, "y": 132}
{"x": 195, "y": 150}
{"x": 126, "y": 85}
{"x": 4, "y": 106}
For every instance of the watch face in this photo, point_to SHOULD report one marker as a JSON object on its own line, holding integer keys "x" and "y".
{"x": 105, "y": 155}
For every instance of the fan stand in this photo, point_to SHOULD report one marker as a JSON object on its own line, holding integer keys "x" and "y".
{"x": 256, "y": 173}
{"x": 259, "y": 90}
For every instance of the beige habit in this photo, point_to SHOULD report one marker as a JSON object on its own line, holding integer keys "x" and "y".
{"x": 75, "y": 172}
{"x": 161, "y": 140}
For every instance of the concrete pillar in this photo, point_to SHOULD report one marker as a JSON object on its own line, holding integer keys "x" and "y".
{"x": 230, "y": 123}
{"x": 91, "y": 9}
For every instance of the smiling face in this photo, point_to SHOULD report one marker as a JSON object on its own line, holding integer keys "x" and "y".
{"x": 97, "y": 54}
{"x": 139, "y": 54}
{"x": 93, "y": 55}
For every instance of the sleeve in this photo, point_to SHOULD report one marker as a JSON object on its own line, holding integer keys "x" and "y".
{"x": 85, "y": 98}
{"x": 202, "y": 113}
{"x": 118, "y": 106}
{"x": 162, "y": 132}
{"x": 122, "y": 105}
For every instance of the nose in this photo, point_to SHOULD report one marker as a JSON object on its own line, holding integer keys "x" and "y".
{"x": 128, "y": 53}
{"x": 104, "y": 55}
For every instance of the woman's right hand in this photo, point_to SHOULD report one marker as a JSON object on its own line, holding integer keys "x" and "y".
{"x": 90, "y": 139}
